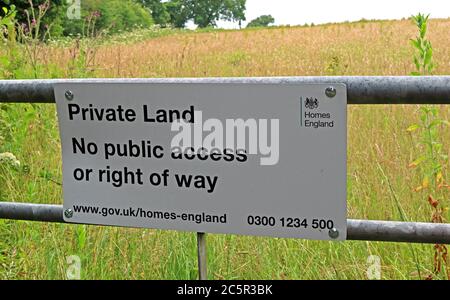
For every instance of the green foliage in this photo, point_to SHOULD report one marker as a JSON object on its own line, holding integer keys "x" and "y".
{"x": 206, "y": 13}
{"x": 31, "y": 34}
{"x": 334, "y": 66}
{"x": 7, "y": 23}
{"x": 433, "y": 158}
{"x": 10, "y": 56}
{"x": 7, "y": 35}
{"x": 55, "y": 11}
{"x": 21, "y": 43}
{"x": 235, "y": 10}
{"x": 261, "y": 21}
{"x": 423, "y": 60}
{"x": 115, "y": 16}
{"x": 121, "y": 15}
{"x": 431, "y": 164}
{"x": 112, "y": 16}
{"x": 178, "y": 13}
{"x": 159, "y": 11}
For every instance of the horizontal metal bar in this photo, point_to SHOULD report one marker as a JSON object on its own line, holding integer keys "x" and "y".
{"x": 362, "y": 230}
{"x": 31, "y": 212}
{"x": 360, "y": 89}
{"x": 389, "y": 231}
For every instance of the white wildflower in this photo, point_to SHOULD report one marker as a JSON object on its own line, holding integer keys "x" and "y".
{"x": 9, "y": 159}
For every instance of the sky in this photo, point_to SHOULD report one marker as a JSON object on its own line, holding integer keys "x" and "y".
{"x": 299, "y": 12}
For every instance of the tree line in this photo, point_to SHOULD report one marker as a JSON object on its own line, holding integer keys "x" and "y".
{"x": 204, "y": 13}
{"x": 121, "y": 15}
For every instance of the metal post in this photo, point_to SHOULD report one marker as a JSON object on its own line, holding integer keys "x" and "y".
{"x": 201, "y": 251}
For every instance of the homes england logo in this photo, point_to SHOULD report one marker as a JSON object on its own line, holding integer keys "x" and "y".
{"x": 311, "y": 103}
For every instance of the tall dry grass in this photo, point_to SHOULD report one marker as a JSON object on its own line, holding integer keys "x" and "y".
{"x": 363, "y": 48}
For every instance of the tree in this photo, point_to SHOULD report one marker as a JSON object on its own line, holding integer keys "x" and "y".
{"x": 261, "y": 21}
{"x": 23, "y": 5}
{"x": 119, "y": 15}
{"x": 178, "y": 12}
{"x": 206, "y": 13}
{"x": 159, "y": 11}
{"x": 237, "y": 9}
{"x": 54, "y": 8}
{"x": 111, "y": 15}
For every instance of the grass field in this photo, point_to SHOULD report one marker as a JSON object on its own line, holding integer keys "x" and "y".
{"x": 380, "y": 149}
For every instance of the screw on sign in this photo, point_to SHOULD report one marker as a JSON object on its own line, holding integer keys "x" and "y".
{"x": 330, "y": 92}
{"x": 69, "y": 95}
{"x": 333, "y": 233}
{"x": 68, "y": 213}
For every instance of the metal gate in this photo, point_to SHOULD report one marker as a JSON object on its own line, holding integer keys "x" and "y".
{"x": 360, "y": 90}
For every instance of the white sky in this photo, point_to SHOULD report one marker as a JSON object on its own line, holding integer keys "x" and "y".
{"x": 299, "y": 12}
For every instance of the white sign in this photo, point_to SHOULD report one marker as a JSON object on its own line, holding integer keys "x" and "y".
{"x": 243, "y": 158}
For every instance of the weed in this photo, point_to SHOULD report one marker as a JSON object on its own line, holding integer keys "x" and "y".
{"x": 423, "y": 60}
{"x": 433, "y": 159}
{"x": 11, "y": 61}
{"x": 31, "y": 36}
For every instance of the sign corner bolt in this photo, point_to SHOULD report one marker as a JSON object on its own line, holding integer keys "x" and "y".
{"x": 333, "y": 233}
{"x": 69, "y": 95}
{"x": 330, "y": 92}
{"x": 68, "y": 213}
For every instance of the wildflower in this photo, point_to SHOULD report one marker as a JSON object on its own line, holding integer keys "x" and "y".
{"x": 9, "y": 159}
{"x": 24, "y": 28}
{"x": 97, "y": 14}
{"x": 44, "y": 6}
